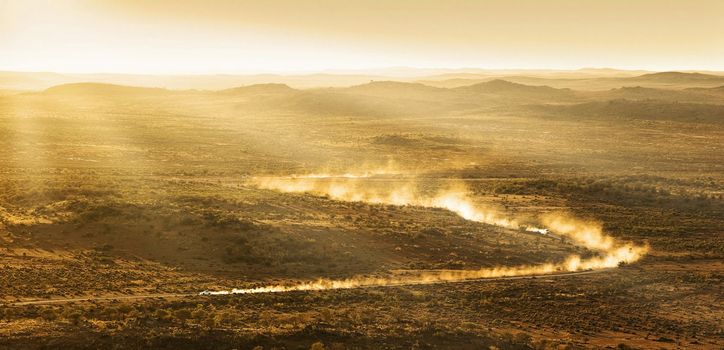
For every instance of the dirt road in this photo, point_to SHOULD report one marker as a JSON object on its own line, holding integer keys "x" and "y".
{"x": 184, "y": 295}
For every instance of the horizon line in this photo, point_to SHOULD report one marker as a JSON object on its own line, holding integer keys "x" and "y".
{"x": 359, "y": 71}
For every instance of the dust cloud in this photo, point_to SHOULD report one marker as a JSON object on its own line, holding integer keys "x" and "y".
{"x": 367, "y": 187}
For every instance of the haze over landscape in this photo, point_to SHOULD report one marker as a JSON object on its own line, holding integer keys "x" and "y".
{"x": 361, "y": 175}
{"x": 228, "y": 36}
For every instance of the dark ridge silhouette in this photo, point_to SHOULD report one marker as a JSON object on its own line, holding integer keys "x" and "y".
{"x": 678, "y": 77}
{"x": 504, "y": 87}
{"x": 397, "y": 85}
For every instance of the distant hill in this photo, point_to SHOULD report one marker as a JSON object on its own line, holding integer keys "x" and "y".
{"x": 503, "y": 86}
{"x": 649, "y": 109}
{"x": 328, "y": 103}
{"x": 257, "y": 89}
{"x": 583, "y": 79}
{"x": 489, "y": 92}
{"x": 100, "y": 89}
{"x": 452, "y": 83}
{"x": 396, "y": 89}
{"x": 678, "y": 77}
{"x": 668, "y": 80}
{"x": 514, "y": 90}
{"x": 392, "y": 98}
{"x": 714, "y": 91}
{"x": 645, "y": 93}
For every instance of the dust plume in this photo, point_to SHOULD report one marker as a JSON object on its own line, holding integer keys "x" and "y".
{"x": 363, "y": 188}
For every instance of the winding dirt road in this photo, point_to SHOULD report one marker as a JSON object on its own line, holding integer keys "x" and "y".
{"x": 184, "y": 295}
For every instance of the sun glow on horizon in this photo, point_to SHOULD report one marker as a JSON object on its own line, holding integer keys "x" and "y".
{"x": 223, "y": 36}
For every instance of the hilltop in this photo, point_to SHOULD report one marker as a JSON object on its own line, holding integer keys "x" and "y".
{"x": 679, "y": 77}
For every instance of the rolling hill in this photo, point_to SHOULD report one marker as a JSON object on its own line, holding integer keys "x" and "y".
{"x": 100, "y": 89}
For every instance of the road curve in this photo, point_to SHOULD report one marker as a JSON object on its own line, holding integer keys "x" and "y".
{"x": 183, "y": 295}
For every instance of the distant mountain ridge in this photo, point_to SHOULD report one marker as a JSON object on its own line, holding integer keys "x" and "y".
{"x": 90, "y": 88}
{"x": 671, "y": 80}
{"x": 678, "y": 76}
{"x": 396, "y": 96}
{"x": 501, "y": 86}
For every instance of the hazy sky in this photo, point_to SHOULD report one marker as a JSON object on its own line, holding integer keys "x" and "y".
{"x": 236, "y": 36}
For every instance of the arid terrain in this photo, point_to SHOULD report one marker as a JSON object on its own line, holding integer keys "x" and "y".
{"x": 120, "y": 204}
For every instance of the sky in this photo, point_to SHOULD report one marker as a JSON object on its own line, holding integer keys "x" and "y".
{"x": 239, "y": 36}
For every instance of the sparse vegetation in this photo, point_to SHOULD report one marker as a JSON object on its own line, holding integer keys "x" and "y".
{"x": 127, "y": 192}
